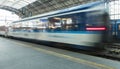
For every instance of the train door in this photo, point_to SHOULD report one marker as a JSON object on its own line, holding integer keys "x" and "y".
{"x": 118, "y": 31}
{"x": 114, "y": 29}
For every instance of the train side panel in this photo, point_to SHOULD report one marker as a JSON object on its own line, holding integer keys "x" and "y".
{"x": 85, "y": 26}
{"x": 85, "y": 39}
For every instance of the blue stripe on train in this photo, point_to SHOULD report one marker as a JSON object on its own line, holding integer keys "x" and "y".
{"x": 67, "y": 32}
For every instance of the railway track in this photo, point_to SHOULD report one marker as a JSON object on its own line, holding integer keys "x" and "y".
{"x": 113, "y": 50}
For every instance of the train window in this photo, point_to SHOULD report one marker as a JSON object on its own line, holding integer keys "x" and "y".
{"x": 66, "y": 23}
{"x": 72, "y": 22}
{"x": 54, "y": 24}
{"x": 95, "y": 18}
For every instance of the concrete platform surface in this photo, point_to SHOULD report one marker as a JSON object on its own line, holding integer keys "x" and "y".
{"x": 16, "y": 54}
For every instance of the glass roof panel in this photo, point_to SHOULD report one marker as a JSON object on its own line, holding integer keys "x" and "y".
{"x": 16, "y": 3}
{"x": 114, "y": 9}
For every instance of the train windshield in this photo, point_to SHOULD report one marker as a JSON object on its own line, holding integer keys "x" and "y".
{"x": 96, "y": 21}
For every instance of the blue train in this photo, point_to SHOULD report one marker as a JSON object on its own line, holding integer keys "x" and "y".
{"x": 84, "y": 26}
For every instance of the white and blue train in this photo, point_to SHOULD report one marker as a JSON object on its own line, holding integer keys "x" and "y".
{"x": 85, "y": 26}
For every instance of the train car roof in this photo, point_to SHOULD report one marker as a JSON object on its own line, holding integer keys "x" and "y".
{"x": 80, "y": 7}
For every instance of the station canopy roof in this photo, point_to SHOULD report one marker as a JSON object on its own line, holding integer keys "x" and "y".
{"x": 16, "y": 3}
{"x": 27, "y": 8}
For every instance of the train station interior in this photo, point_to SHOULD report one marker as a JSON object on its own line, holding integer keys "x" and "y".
{"x": 59, "y": 34}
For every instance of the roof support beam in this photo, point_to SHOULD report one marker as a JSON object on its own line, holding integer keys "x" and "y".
{"x": 16, "y": 11}
{"x": 44, "y": 6}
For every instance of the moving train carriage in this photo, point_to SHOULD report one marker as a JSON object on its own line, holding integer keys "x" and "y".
{"x": 83, "y": 26}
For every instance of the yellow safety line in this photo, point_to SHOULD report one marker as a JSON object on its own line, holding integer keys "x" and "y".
{"x": 74, "y": 59}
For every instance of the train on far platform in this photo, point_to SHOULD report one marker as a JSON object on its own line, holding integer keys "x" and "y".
{"x": 84, "y": 26}
{"x": 115, "y": 29}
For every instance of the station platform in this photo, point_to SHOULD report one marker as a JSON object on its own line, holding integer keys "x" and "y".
{"x": 16, "y": 54}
